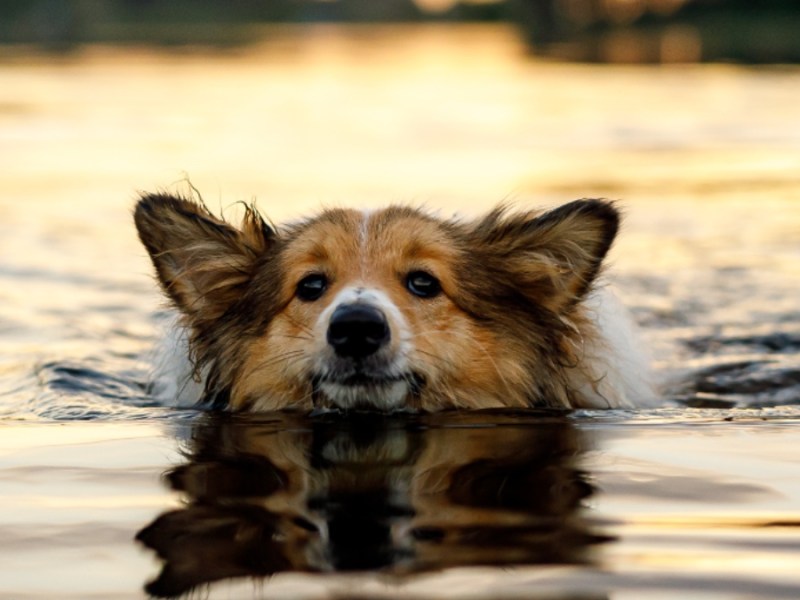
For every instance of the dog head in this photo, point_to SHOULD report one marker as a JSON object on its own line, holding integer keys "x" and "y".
{"x": 393, "y": 309}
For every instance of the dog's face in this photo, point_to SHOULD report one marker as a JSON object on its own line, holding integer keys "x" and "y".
{"x": 367, "y": 311}
{"x": 387, "y": 310}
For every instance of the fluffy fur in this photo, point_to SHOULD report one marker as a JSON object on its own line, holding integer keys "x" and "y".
{"x": 510, "y": 316}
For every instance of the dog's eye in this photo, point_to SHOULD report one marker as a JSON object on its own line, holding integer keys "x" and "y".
{"x": 423, "y": 284}
{"x": 311, "y": 287}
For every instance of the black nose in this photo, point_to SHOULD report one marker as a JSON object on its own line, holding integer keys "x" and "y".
{"x": 357, "y": 330}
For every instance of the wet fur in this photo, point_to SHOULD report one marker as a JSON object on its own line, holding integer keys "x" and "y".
{"x": 515, "y": 326}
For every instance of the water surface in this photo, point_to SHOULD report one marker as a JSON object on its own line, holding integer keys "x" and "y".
{"x": 699, "y": 497}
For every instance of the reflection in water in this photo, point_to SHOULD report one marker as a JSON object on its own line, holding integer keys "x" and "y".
{"x": 399, "y": 494}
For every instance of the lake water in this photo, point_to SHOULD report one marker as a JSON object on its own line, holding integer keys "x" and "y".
{"x": 699, "y": 498}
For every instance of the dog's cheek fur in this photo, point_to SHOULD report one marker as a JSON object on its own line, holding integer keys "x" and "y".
{"x": 273, "y": 373}
{"x": 528, "y": 347}
{"x": 463, "y": 364}
{"x": 480, "y": 344}
{"x": 521, "y": 282}
{"x": 233, "y": 346}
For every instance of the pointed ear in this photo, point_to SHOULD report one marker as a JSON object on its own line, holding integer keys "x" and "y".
{"x": 552, "y": 258}
{"x": 202, "y": 262}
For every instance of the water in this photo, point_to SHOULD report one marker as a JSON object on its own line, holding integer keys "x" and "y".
{"x": 699, "y": 497}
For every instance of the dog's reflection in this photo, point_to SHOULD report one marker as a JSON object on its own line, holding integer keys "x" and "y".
{"x": 398, "y": 494}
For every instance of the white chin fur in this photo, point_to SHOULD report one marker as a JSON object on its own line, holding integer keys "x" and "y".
{"x": 388, "y": 397}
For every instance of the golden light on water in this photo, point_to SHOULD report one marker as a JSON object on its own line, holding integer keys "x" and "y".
{"x": 458, "y": 118}
{"x": 29, "y": 437}
{"x": 704, "y": 159}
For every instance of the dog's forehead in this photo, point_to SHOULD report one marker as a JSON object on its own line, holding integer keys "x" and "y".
{"x": 395, "y": 233}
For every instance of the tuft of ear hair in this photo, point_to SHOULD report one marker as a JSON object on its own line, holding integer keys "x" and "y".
{"x": 552, "y": 258}
{"x": 202, "y": 262}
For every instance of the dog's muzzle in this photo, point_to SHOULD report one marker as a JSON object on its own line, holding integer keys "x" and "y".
{"x": 357, "y": 330}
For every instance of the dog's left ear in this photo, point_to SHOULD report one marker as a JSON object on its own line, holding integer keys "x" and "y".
{"x": 553, "y": 258}
{"x": 202, "y": 262}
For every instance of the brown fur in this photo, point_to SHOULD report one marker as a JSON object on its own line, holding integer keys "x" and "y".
{"x": 508, "y": 330}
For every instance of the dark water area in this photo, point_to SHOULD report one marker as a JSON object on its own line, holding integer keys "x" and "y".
{"x": 417, "y": 496}
{"x": 107, "y": 492}
{"x": 397, "y": 495}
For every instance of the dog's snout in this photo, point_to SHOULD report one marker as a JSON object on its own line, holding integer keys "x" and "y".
{"x": 357, "y": 330}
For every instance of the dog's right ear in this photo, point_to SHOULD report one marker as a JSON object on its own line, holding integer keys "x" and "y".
{"x": 549, "y": 259}
{"x": 202, "y": 262}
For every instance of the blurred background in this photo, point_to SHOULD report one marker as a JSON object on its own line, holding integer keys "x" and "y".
{"x": 686, "y": 111}
{"x": 750, "y": 31}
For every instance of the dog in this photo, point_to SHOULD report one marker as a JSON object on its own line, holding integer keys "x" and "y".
{"x": 395, "y": 309}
